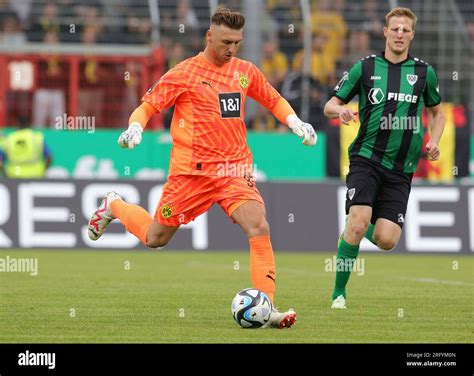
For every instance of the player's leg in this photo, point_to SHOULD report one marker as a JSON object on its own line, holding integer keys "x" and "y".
{"x": 242, "y": 202}
{"x": 362, "y": 187}
{"x": 390, "y": 208}
{"x": 183, "y": 199}
{"x": 370, "y": 233}
{"x": 159, "y": 235}
{"x": 348, "y": 250}
{"x": 136, "y": 220}
{"x": 386, "y": 234}
{"x": 250, "y": 216}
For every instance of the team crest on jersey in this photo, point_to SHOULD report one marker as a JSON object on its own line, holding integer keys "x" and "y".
{"x": 244, "y": 81}
{"x": 412, "y": 78}
{"x": 166, "y": 211}
{"x": 350, "y": 193}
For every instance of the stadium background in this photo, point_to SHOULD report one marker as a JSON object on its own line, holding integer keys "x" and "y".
{"x": 76, "y": 70}
{"x": 88, "y": 64}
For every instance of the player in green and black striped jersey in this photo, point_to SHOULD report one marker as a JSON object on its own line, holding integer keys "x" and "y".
{"x": 393, "y": 87}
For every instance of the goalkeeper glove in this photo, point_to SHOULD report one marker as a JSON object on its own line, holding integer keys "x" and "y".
{"x": 302, "y": 129}
{"x": 131, "y": 137}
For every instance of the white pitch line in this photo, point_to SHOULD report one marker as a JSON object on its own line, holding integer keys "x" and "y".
{"x": 437, "y": 281}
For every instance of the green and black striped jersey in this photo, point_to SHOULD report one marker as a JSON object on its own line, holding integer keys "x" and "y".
{"x": 391, "y": 100}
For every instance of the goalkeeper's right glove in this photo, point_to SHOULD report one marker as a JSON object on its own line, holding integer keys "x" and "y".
{"x": 302, "y": 129}
{"x": 131, "y": 137}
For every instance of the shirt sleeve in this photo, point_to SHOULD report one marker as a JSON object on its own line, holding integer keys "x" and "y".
{"x": 166, "y": 90}
{"x": 349, "y": 85}
{"x": 261, "y": 90}
{"x": 431, "y": 93}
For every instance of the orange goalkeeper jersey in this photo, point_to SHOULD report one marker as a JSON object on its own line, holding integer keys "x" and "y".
{"x": 208, "y": 130}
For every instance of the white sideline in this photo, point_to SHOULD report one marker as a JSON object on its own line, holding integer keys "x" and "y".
{"x": 437, "y": 281}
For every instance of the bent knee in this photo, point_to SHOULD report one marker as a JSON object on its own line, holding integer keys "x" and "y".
{"x": 156, "y": 241}
{"x": 386, "y": 244}
{"x": 259, "y": 228}
{"x": 263, "y": 227}
{"x": 358, "y": 227}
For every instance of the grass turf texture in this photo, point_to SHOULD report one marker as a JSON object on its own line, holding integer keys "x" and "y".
{"x": 184, "y": 297}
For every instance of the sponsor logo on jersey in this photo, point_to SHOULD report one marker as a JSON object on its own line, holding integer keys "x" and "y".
{"x": 376, "y": 95}
{"x": 373, "y": 78}
{"x": 402, "y": 97}
{"x": 230, "y": 104}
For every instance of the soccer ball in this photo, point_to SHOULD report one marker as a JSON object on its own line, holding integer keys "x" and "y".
{"x": 251, "y": 308}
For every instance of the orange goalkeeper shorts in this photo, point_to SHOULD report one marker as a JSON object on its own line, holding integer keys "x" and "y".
{"x": 185, "y": 197}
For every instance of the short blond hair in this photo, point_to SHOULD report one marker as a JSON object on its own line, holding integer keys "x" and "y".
{"x": 401, "y": 12}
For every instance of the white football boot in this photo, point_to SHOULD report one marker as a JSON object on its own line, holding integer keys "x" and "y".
{"x": 339, "y": 302}
{"x": 102, "y": 217}
{"x": 281, "y": 320}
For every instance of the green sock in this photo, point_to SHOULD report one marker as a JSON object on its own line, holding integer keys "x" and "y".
{"x": 369, "y": 235}
{"x": 346, "y": 256}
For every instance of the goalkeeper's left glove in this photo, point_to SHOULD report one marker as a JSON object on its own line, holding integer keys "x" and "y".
{"x": 302, "y": 129}
{"x": 131, "y": 137}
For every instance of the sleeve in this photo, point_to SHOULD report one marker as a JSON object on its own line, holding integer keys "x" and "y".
{"x": 349, "y": 85}
{"x": 261, "y": 90}
{"x": 164, "y": 92}
{"x": 431, "y": 93}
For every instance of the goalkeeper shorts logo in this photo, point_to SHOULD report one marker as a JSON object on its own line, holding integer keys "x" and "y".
{"x": 166, "y": 211}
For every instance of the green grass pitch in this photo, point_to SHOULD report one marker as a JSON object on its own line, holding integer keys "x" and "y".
{"x": 184, "y": 297}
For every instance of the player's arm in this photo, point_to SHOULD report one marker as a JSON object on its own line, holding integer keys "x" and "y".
{"x": 161, "y": 95}
{"x": 286, "y": 115}
{"x": 436, "y": 128}
{"x": 137, "y": 122}
{"x": 345, "y": 90}
{"x": 335, "y": 109}
{"x": 265, "y": 94}
{"x": 433, "y": 103}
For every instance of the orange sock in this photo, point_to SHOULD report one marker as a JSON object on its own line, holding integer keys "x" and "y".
{"x": 262, "y": 264}
{"x": 135, "y": 219}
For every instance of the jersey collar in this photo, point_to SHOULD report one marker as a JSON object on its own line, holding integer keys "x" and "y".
{"x": 382, "y": 55}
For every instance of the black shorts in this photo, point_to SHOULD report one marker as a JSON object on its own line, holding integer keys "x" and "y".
{"x": 368, "y": 183}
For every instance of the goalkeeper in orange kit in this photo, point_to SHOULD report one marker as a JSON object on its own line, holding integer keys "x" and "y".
{"x": 209, "y": 138}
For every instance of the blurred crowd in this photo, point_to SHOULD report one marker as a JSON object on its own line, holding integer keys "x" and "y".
{"x": 343, "y": 31}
